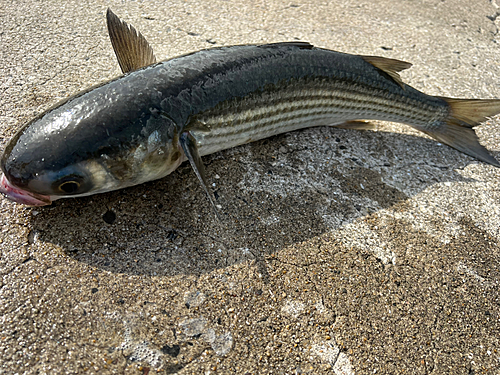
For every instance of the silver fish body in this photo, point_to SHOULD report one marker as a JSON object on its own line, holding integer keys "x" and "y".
{"x": 141, "y": 126}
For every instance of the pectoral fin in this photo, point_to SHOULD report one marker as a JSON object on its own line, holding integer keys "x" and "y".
{"x": 188, "y": 144}
{"x": 131, "y": 49}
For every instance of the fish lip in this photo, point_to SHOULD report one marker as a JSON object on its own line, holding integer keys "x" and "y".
{"x": 17, "y": 195}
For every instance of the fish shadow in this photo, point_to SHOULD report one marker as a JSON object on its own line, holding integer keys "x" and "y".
{"x": 271, "y": 194}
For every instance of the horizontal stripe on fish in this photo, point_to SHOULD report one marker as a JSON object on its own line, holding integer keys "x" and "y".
{"x": 264, "y": 104}
{"x": 285, "y": 110}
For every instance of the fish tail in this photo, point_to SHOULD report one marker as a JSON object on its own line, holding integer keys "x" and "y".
{"x": 457, "y": 130}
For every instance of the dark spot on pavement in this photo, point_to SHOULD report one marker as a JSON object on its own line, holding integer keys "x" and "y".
{"x": 109, "y": 217}
{"x": 172, "y": 351}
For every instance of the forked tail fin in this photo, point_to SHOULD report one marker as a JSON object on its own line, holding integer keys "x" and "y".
{"x": 457, "y": 130}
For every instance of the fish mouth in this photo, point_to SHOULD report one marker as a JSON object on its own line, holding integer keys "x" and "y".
{"x": 17, "y": 195}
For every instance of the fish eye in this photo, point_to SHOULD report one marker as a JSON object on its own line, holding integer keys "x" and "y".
{"x": 69, "y": 184}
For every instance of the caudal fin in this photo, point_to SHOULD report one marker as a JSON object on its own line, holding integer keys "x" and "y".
{"x": 457, "y": 130}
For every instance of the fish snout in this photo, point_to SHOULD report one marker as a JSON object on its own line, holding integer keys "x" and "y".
{"x": 21, "y": 196}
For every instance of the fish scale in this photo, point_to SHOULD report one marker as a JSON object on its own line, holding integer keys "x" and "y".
{"x": 295, "y": 106}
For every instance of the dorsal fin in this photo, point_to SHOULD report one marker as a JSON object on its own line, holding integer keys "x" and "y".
{"x": 131, "y": 49}
{"x": 389, "y": 66}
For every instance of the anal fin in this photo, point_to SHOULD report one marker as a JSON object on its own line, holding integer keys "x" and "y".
{"x": 356, "y": 125}
{"x": 188, "y": 144}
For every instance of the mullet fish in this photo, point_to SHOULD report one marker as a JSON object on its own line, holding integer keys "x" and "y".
{"x": 144, "y": 124}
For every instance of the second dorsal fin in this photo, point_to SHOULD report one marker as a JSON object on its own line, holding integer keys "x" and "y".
{"x": 131, "y": 49}
{"x": 389, "y": 66}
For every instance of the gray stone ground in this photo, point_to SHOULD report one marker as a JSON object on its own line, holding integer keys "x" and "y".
{"x": 341, "y": 252}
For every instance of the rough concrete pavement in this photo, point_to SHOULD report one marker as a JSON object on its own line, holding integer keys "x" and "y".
{"x": 341, "y": 252}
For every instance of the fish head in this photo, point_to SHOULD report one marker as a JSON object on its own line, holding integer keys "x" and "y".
{"x": 41, "y": 188}
{"x": 83, "y": 147}
{"x": 35, "y": 174}
{"x": 34, "y": 183}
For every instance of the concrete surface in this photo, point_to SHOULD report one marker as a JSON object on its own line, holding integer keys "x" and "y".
{"x": 342, "y": 252}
